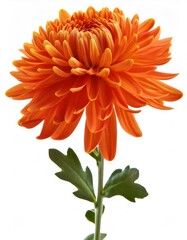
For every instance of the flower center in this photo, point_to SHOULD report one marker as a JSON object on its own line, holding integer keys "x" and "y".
{"x": 82, "y": 25}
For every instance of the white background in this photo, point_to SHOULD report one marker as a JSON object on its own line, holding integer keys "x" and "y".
{"x": 34, "y": 203}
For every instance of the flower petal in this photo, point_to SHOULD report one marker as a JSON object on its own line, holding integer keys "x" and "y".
{"x": 106, "y": 58}
{"x": 108, "y": 140}
{"x": 122, "y": 66}
{"x": 60, "y": 72}
{"x": 94, "y": 124}
{"x": 128, "y": 122}
{"x": 49, "y": 126}
{"x": 91, "y": 140}
{"x": 75, "y": 103}
{"x": 19, "y": 92}
{"x": 92, "y": 88}
{"x": 94, "y": 53}
{"x": 64, "y": 16}
{"x": 64, "y": 129}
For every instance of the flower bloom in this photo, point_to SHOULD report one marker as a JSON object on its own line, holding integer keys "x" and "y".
{"x": 98, "y": 61}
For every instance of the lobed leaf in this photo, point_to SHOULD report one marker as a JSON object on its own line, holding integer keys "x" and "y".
{"x": 123, "y": 183}
{"x": 72, "y": 172}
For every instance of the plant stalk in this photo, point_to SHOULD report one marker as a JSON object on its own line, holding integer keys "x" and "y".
{"x": 99, "y": 203}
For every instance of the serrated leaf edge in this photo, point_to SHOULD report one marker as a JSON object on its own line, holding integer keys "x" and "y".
{"x": 84, "y": 181}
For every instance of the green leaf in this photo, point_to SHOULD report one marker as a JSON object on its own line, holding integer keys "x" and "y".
{"x": 123, "y": 183}
{"x": 91, "y": 236}
{"x": 90, "y": 215}
{"x": 72, "y": 172}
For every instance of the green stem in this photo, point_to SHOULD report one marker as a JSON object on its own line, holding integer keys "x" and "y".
{"x": 99, "y": 204}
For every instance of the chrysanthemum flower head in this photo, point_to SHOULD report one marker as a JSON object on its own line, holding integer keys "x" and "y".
{"x": 100, "y": 62}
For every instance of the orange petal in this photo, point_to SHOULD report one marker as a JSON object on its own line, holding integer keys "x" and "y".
{"x": 156, "y": 103}
{"x": 82, "y": 49}
{"x": 161, "y": 75}
{"x": 122, "y": 66}
{"x": 78, "y": 85}
{"x": 64, "y": 16}
{"x": 78, "y": 71}
{"x": 91, "y": 140}
{"x": 108, "y": 141}
{"x": 123, "y": 98}
{"x": 40, "y": 103}
{"x": 93, "y": 123}
{"x": 60, "y": 72}
{"x": 59, "y": 61}
{"x": 105, "y": 95}
{"x": 52, "y": 51}
{"x": 64, "y": 129}
{"x": 106, "y": 58}
{"x": 37, "y": 40}
{"x": 48, "y": 126}
{"x": 169, "y": 93}
{"x": 41, "y": 57}
{"x": 146, "y": 25}
{"x": 113, "y": 80}
{"x": 104, "y": 73}
{"x": 128, "y": 122}
{"x": 74, "y": 63}
{"x": 29, "y": 123}
{"x": 92, "y": 88}
{"x": 75, "y": 103}
{"x": 67, "y": 50}
{"x": 31, "y": 120}
{"x": 19, "y": 92}
{"x": 94, "y": 53}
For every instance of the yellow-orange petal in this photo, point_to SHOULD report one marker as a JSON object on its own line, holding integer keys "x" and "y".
{"x": 122, "y": 66}
{"x": 78, "y": 71}
{"x": 106, "y": 58}
{"x": 74, "y": 63}
{"x": 59, "y": 61}
{"x": 51, "y": 50}
{"x": 94, "y": 53}
{"x": 64, "y": 16}
{"x": 60, "y": 72}
{"x": 104, "y": 73}
{"x": 146, "y": 25}
{"x": 67, "y": 50}
{"x": 40, "y": 56}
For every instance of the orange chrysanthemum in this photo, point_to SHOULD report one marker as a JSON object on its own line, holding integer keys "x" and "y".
{"x": 100, "y": 62}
